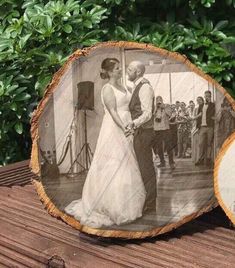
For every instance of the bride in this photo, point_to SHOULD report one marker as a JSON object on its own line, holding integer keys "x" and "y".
{"x": 113, "y": 192}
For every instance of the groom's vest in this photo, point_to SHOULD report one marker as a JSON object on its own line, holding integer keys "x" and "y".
{"x": 135, "y": 106}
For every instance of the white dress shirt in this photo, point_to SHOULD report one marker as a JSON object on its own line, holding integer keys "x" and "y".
{"x": 146, "y": 96}
{"x": 205, "y": 106}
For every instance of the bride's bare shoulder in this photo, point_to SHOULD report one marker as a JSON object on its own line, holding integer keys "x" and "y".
{"x": 107, "y": 92}
{"x": 107, "y": 89}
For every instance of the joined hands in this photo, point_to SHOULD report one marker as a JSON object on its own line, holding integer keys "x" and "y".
{"x": 129, "y": 129}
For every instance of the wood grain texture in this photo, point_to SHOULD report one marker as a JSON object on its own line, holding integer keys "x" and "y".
{"x": 34, "y": 163}
{"x": 218, "y": 160}
{"x": 30, "y": 237}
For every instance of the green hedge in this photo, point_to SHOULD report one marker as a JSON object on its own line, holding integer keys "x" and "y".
{"x": 37, "y": 37}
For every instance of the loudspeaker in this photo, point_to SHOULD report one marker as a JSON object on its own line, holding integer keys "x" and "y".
{"x": 85, "y": 95}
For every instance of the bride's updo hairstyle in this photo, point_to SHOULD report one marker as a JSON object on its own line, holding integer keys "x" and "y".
{"x": 107, "y": 65}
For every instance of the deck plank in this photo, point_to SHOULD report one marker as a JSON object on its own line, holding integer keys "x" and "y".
{"x": 30, "y": 237}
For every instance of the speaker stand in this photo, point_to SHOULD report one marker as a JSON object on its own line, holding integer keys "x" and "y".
{"x": 85, "y": 149}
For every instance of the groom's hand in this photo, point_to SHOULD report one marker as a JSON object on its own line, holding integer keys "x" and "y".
{"x": 130, "y": 125}
{"x": 129, "y": 129}
{"x": 129, "y": 132}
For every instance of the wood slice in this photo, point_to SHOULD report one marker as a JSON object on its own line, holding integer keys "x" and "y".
{"x": 224, "y": 176}
{"x": 99, "y": 171}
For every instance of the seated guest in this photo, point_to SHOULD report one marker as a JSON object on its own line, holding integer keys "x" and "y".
{"x": 162, "y": 113}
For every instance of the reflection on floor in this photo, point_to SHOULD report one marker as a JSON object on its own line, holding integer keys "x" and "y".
{"x": 180, "y": 193}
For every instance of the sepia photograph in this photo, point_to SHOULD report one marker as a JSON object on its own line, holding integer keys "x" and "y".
{"x": 117, "y": 133}
{"x": 128, "y": 140}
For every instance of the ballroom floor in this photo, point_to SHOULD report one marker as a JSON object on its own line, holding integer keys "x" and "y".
{"x": 179, "y": 193}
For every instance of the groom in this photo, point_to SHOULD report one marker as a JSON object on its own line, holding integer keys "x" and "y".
{"x": 141, "y": 109}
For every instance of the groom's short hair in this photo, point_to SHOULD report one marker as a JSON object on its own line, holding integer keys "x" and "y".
{"x": 139, "y": 65}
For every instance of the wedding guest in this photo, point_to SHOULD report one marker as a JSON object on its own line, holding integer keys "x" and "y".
{"x": 197, "y": 112}
{"x": 191, "y": 111}
{"x": 162, "y": 115}
{"x": 183, "y": 121}
{"x": 191, "y": 108}
{"x": 173, "y": 130}
{"x": 206, "y": 130}
{"x": 195, "y": 129}
{"x": 226, "y": 121}
{"x": 177, "y": 107}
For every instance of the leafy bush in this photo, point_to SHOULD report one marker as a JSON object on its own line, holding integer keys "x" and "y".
{"x": 37, "y": 37}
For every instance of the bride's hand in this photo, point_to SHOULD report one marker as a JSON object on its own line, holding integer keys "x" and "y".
{"x": 128, "y": 131}
{"x": 129, "y": 125}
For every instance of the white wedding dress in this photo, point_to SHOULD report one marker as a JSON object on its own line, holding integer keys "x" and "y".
{"x": 113, "y": 192}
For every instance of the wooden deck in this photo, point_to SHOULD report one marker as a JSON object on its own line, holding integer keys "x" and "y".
{"x": 179, "y": 193}
{"x": 30, "y": 237}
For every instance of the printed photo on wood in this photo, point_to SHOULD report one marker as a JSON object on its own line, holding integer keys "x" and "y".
{"x": 125, "y": 138}
{"x": 224, "y": 178}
